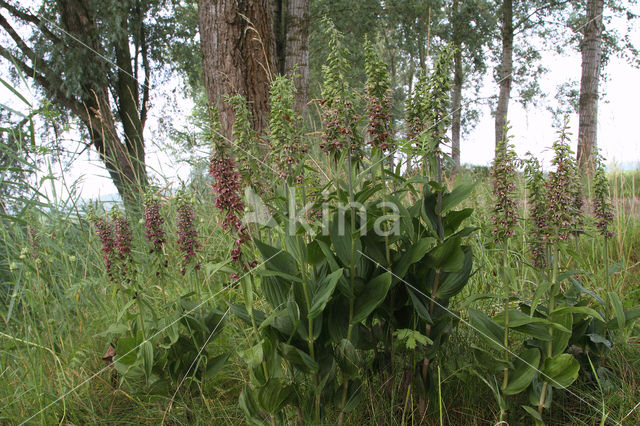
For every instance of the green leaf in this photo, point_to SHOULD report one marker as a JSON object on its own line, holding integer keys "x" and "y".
{"x": 541, "y": 289}
{"x": 454, "y": 282}
{"x": 455, "y": 197}
{"x": 328, "y": 254}
{"x": 429, "y": 202}
{"x": 534, "y": 414}
{"x": 297, "y": 247}
{"x": 420, "y": 308}
{"x": 517, "y": 319}
{"x": 12, "y": 88}
{"x": 215, "y": 365}
{"x": 618, "y": 309}
{"x": 597, "y": 338}
{"x": 578, "y": 310}
{"x": 454, "y": 219}
{"x": 323, "y": 293}
{"x": 354, "y": 395}
{"x": 273, "y": 395}
{"x": 406, "y": 220}
{"x": 280, "y": 274}
{"x": 298, "y": 358}
{"x": 340, "y": 233}
{"x": 146, "y": 350}
{"x": 525, "y": 369}
{"x": 560, "y": 371}
{"x": 277, "y": 259}
{"x": 632, "y": 314}
{"x": 253, "y": 355}
{"x": 492, "y": 332}
{"x": 489, "y": 361}
{"x": 417, "y": 251}
{"x": 583, "y": 290}
{"x": 347, "y": 359}
{"x": 447, "y": 256}
{"x": 538, "y": 331}
{"x": 125, "y": 350}
{"x": 561, "y": 338}
{"x": 248, "y": 404}
{"x": 372, "y": 296}
{"x": 412, "y": 338}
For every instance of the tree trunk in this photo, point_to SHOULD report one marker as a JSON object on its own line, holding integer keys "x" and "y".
{"x": 588, "y": 107}
{"x": 238, "y": 56}
{"x": 506, "y": 69}
{"x": 128, "y": 109}
{"x": 297, "y": 49}
{"x": 124, "y": 162}
{"x": 117, "y": 160}
{"x": 456, "y": 96}
{"x": 279, "y": 16}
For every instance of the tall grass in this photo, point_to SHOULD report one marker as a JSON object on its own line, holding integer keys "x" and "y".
{"x": 56, "y": 306}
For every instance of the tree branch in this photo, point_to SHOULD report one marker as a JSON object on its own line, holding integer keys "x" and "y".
{"x": 26, "y": 50}
{"x": 147, "y": 74}
{"x": 27, "y": 17}
{"x": 536, "y": 11}
{"x": 74, "y": 106}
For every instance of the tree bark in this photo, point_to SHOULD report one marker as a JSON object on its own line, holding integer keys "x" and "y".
{"x": 591, "y": 50}
{"x": 279, "y": 16}
{"x": 297, "y": 49}
{"x": 128, "y": 109}
{"x": 506, "y": 69}
{"x": 124, "y": 162}
{"x": 238, "y": 56}
{"x": 456, "y": 96}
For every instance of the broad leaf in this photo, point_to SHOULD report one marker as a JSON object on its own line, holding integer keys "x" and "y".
{"x": 618, "y": 309}
{"x": 560, "y": 371}
{"x": 277, "y": 259}
{"x": 420, "y": 308}
{"x": 492, "y": 332}
{"x": 298, "y": 358}
{"x": 146, "y": 350}
{"x": 525, "y": 369}
{"x": 372, "y": 296}
{"x": 454, "y": 282}
{"x": 323, "y": 293}
{"x": 455, "y": 197}
{"x": 447, "y": 256}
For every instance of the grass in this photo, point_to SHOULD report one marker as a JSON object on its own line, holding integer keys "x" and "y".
{"x": 55, "y": 305}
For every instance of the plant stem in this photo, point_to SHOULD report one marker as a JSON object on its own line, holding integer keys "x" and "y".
{"x": 552, "y": 305}
{"x": 352, "y": 271}
{"x": 384, "y": 213}
{"x": 507, "y": 291}
{"x": 607, "y": 277}
{"x": 140, "y": 316}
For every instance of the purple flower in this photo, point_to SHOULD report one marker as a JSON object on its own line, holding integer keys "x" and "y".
{"x": 105, "y": 234}
{"x": 153, "y": 222}
{"x": 379, "y": 114}
{"x": 602, "y": 209}
{"x": 563, "y": 192}
{"x": 539, "y": 227}
{"x": 503, "y": 173}
{"x": 123, "y": 235}
{"x": 227, "y": 186}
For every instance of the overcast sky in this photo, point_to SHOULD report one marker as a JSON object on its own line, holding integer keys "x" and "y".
{"x": 618, "y": 135}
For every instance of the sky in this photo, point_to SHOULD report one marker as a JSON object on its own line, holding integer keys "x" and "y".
{"x": 532, "y": 129}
